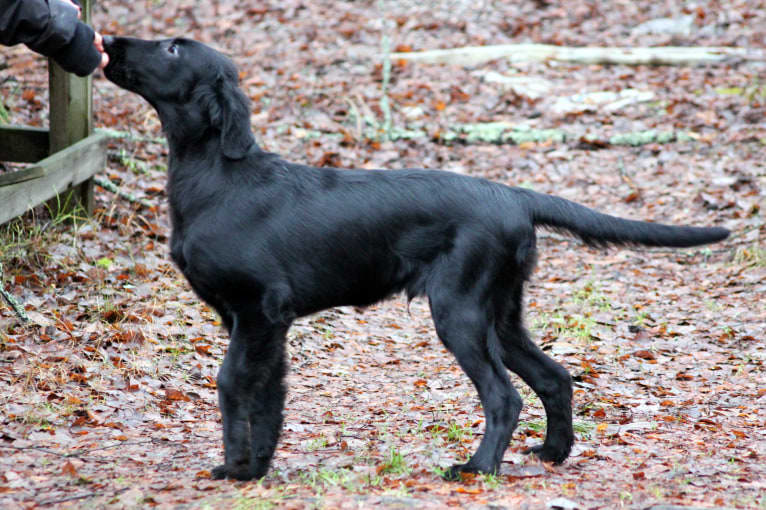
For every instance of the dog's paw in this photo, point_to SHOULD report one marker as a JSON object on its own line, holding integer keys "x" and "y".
{"x": 218, "y": 472}
{"x": 548, "y": 454}
{"x": 234, "y": 472}
{"x": 453, "y": 473}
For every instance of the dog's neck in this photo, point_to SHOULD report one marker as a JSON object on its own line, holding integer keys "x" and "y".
{"x": 182, "y": 127}
{"x": 190, "y": 134}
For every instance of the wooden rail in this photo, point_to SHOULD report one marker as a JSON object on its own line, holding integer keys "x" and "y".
{"x": 65, "y": 156}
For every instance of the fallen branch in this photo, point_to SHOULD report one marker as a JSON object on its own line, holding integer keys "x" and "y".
{"x": 656, "y": 55}
{"x": 125, "y": 135}
{"x": 119, "y": 444}
{"x": 130, "y": 197}
{"x": 510, "y": 133}
{"x": 75, "y": 497}
{"x": 12, "y": 302}
{"x": 81, "y": 453}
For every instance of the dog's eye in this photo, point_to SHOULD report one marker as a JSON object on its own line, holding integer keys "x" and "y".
{"x": 173, "y": 49}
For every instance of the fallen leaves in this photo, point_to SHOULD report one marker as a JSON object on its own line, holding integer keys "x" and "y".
{"x": 172, "y": 394}
{"x": 644, "y": 354}
{"x": 69, "y": 469}
{"x": 665, "y": 348}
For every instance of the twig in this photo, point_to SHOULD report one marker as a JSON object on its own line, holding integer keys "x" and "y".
{"x": 78, "y": 453}
{"x": 130, "y": 197}
{"x": 124, "y": 135}
{"x": 38, "y": 448}
{"x": 12, "y": 302}
{"x": 120, "y": 444}
{"x": 385, "y": 104}
{"x": 358, "y": 118}
{"x": 79, "y": 496}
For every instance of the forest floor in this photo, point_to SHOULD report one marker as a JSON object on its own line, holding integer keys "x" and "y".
{"x": 107, "y": 397}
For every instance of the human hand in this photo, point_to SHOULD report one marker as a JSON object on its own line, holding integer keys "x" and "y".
{"x": 98, "y": 42}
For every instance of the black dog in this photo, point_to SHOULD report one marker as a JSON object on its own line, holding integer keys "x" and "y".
{"x": 264, "y": 241}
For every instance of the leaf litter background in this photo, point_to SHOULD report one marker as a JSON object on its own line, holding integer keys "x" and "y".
{"x": 108, "y": 399}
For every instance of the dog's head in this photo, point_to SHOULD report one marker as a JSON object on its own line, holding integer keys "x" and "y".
{"x": 192, "y": 87}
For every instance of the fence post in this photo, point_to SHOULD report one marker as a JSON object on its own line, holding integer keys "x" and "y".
{"x": 71, "y": 120}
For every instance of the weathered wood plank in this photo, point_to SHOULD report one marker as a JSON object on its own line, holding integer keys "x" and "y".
{"x": 23, "y": 144}
{"x": 27, "y": 174}
{"x": 61, "y": 171}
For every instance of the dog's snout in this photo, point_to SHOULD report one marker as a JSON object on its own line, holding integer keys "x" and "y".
{"x": 108, "y": 40}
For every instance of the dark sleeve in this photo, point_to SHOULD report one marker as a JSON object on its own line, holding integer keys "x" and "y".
{"x": 50, "y": 28}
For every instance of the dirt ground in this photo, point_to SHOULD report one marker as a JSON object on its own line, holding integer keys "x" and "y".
{"x": 107, "y": 396}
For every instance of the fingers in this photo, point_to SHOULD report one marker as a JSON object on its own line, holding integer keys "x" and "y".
{"x": 98, "y": 41}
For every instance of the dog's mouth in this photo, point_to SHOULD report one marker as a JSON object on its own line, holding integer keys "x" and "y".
{"x": 121, "y": 77}
{"x": 116, "y": 71}
{"x": 111, "y": 69}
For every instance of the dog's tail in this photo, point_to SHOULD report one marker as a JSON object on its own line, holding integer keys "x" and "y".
{"x": 598, "y": 229}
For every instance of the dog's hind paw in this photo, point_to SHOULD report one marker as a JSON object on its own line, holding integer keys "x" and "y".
{"x": 237, "y": 473}
{"x": 548, "y": 454}
{"x": 453, "y": 473}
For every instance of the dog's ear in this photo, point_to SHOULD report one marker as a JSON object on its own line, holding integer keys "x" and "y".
{"x": 236, "y": 135}
{"x": 230, "y": 112}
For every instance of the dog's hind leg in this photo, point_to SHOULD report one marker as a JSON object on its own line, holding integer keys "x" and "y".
{"x": 251, "y": 396}
{"x": 548, "y": 379}
{"x": 462, "y": 325}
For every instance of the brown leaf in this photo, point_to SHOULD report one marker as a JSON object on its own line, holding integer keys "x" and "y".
{"x": 548, "y": 466}
{"x": 69, "y": 469}
{"x": 644, "y": 354}
{"x": 172, "y": 394}
{"x": 203, "y": 349}
{"x": 210, "y": 382}
{"x": 112, "y": 315}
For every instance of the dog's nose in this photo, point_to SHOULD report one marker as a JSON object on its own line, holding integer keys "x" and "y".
{"x": 108, "y": 40}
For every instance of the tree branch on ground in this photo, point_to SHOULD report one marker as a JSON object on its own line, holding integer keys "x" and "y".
{"x": 660, "y": 55}
{"x": 12, "y": 301}
{"x": 130, "y": 197}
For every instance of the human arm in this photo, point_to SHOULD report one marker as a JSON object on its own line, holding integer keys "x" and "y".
{"x": 51, "y": 28}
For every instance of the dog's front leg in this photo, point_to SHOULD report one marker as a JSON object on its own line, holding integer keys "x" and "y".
{"x": 236, "y": 424}
{"x": 251, "y": 396}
